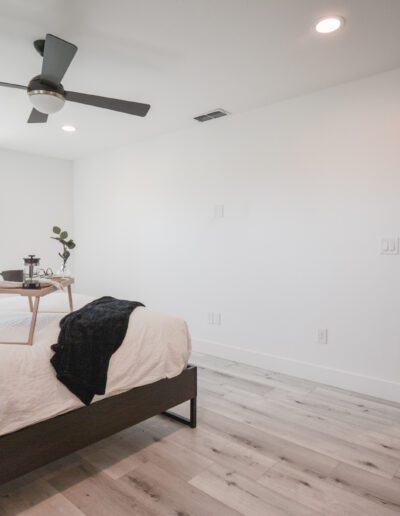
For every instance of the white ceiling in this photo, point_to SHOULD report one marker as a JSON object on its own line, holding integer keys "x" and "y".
{"x": 184, "y": 57}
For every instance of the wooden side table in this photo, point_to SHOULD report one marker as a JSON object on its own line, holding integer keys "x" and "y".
{"x": 34, "y": 305}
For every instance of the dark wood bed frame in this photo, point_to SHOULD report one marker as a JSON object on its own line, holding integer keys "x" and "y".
{"x": 34, "y": 446}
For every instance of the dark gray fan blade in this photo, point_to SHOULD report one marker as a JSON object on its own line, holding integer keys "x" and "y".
{"x": 57, "y": 57}
{"x": 123, "y": 106}
{"x": 8, "y": 85}
{"x": 36, "y": 117}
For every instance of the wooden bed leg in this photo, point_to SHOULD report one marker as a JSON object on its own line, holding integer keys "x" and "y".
{"x": 192, "y": 421}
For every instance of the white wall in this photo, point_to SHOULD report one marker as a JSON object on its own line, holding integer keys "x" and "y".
{"x": 35, "y": 195}
{"x": 309, "y": 187}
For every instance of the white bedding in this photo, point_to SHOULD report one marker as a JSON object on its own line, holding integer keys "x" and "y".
{"x": 156, "y": 346}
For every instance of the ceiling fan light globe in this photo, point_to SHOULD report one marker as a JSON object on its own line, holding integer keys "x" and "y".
{"x": 47, "y": 102}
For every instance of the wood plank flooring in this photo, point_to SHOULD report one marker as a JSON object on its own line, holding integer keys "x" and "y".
{"x": 266, "y": 444}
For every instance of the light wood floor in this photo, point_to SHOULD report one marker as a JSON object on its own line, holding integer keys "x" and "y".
{"x": 267, "y": 444}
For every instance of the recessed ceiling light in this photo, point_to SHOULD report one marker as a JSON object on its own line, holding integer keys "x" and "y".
{"x": 68, "y": 128}
{"x": 329, "y": 24}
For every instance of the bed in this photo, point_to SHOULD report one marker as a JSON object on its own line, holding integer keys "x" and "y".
{"x": 41, "y": 420}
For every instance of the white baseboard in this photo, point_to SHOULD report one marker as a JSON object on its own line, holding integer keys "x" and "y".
{"x": 369, "y": 385}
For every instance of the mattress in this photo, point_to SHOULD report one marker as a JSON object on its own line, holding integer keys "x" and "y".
{"x": 156, "y": 346}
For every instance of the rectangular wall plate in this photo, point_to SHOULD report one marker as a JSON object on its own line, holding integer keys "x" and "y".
{"x": 390, "y": 245}
{"x": 322, "y": 336}
{"x": 219, "y": 211}
{"x": 214, "y": 318}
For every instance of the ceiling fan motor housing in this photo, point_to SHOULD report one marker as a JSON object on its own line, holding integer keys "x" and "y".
{"x": 45, "y": 96}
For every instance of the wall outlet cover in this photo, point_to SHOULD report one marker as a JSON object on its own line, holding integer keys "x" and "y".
{"x": 322, "y": 336}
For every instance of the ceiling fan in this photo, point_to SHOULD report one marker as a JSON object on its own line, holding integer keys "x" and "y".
{"x": 47, "y": 93}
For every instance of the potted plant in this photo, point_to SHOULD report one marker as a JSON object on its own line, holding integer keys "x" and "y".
{"x": 68, "y": 245}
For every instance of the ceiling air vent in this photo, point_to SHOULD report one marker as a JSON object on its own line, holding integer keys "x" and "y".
{"x": 217, "y": 113}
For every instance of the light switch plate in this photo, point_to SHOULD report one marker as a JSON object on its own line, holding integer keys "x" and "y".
{"x": 219, "y": 211}
{"x": 214, "y": 318}
{"x": 322, "y": 336}
{"x": 217, "y": 319}
{"x": 389, "y": 245}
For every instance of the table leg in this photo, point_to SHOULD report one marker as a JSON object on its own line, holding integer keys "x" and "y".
{"x": 33, "y": 322}
{"x": 71, "y": 305}
{"x": 30, "y": 304}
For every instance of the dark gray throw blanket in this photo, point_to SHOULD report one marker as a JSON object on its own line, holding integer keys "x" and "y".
{"x": 86, "y": 342}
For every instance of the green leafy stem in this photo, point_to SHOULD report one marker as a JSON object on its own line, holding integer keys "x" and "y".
{"x": 68, "y": 245}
